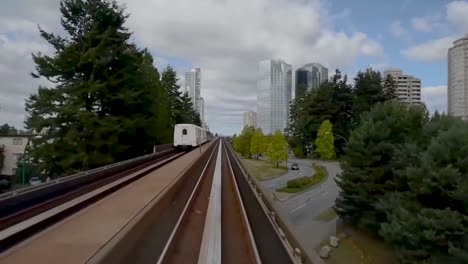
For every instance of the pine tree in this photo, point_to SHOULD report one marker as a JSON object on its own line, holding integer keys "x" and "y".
{"x": 106, "y": 98}
{"x": 368, "y": 91}
{"x": 324, "y": 142}
{"x": 277, "y": 148}
{"x": 372, "y": 157}
{"x": 333, "y": 100}
{"x": 390, "y": 88}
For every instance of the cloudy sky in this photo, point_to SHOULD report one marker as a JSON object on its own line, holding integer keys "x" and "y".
{"x": 227, "y": 38}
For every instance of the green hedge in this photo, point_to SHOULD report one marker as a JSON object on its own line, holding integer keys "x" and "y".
{"x": 302, "y": 183}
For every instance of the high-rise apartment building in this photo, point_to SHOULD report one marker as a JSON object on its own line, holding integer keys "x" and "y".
{"x": 250, "y": 119}
{"x": 193, "y": 88}
{"x": 408, "y": 87}
{"x": 201, "y": 111}
{"x": 274, "y": 87}
{"x": 309, "y": 77}
{"x": 457, "y": 88}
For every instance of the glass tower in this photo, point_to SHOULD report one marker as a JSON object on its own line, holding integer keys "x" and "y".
{"x": 274, "y": 87}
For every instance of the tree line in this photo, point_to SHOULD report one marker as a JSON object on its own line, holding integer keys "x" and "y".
{"x": 339, "y": 102}
{"x": 405, "y": 179}
{"x": 252, "y": 141}
{"x": 106, "y": 101}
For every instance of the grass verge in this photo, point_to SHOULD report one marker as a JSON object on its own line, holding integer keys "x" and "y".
{"x": 359, "y": 248}
{"x": 263, "y": 170}
{"x": 304, "y": 183}
{"x": 326, "y": 215}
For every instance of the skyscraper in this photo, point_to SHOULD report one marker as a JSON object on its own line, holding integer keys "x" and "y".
{"x": 193, "y": 88}
{"x": 408, "y": 87}
{"x": 309, "y": 77}
{"x": 250, "y": 119}
{"x": 457, "y": 88}
{"x": 274, "y": 87}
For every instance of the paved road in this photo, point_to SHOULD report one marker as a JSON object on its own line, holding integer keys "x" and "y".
{"x": 278, "y": 182}
{"x": 299, "y": 211}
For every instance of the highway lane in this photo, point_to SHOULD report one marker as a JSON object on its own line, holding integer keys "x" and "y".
{"x": 299, "y": 210}
{"x": 304, "y": 170}
{"x": 307, "y": 205}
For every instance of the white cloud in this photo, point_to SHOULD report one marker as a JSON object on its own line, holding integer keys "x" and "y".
{"x": 225, "y": 38}
{"x": 398, "y": 31}
{"x": 432, "y": 51}
{"x": 421, "y": 24}
{"x": 435, "y": 98}
{"x": 457, "y": 14}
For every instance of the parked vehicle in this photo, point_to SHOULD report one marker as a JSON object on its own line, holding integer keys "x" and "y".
{"x": 294, "y": 166}
{"x": 35, "y": 181}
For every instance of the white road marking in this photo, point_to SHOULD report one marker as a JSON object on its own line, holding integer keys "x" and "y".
{"x": 324, "y": 193}
{"x": 297, "y": 208}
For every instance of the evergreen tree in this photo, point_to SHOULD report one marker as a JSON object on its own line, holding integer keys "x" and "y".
{"x": 170, "y": 82}
{"x": 430, "y": 221}
{"x": 331, "y": 101}
{"x": 5, "y": 129}
{"x": 188, "y": 113}
{"x": 277, "y": 150}
{"x": 324, "y": 141}
{"x": 369, "y": 163}
{"x": 368, "y": 91}
{"x": 390, "y": 88}
{"x": 106, "y": 101}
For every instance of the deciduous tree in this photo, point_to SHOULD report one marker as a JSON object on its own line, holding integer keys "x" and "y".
{"x": 324, "y": 142}
{"x": 258, "y": 144}
{"x": 277, "y": 150}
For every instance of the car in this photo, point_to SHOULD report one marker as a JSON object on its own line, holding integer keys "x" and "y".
{"x": 34, "y": 181}
{"x": 294, "y": 166}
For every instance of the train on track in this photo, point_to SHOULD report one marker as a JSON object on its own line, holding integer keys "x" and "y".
{"x": 188, "y": 136}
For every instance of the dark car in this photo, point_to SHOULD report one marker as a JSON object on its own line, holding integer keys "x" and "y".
{"x": 294, "y": 166}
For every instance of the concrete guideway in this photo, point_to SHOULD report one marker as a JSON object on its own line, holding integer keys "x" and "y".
{"x": 199, "y": 208}
{"x": 81, "y": 236}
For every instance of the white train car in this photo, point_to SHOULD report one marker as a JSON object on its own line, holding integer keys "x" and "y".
{"x": 189, "y": 136}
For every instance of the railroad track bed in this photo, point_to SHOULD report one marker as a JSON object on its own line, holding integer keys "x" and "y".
{"x": 199, "y": 208}
{"x": 81, "y": 235}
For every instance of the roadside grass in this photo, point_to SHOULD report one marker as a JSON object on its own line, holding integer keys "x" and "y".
{"x": 360, "y": 248}
{"x": 326, "y": 215}
{"x": 304, "y": 183}
{"x": 263, "y": 170}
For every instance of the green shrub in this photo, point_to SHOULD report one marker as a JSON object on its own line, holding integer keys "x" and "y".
{"x": 302, "y": 183}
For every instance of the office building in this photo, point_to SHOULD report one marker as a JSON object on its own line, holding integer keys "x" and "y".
{"x": 408, "y": 87}
{"x": 309, "y": 77}
{"x": 274, "y": 88}
{"x": 193, "y": 88}
{"x": 250, "y": 119}
{"x": 457, "y": 88}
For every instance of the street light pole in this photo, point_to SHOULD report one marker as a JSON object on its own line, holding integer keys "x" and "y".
{"x": 338, "y": 136}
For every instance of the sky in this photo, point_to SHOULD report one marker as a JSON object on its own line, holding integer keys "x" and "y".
{"x": 227, "y": 39}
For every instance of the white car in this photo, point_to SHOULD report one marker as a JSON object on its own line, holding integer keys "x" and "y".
{"x": 34, "y": 181}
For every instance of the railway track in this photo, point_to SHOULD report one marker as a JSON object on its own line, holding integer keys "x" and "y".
{"x": 206, "y": 212}
{"x": 31, "y": 217}
{"x": 216, "y": 223}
